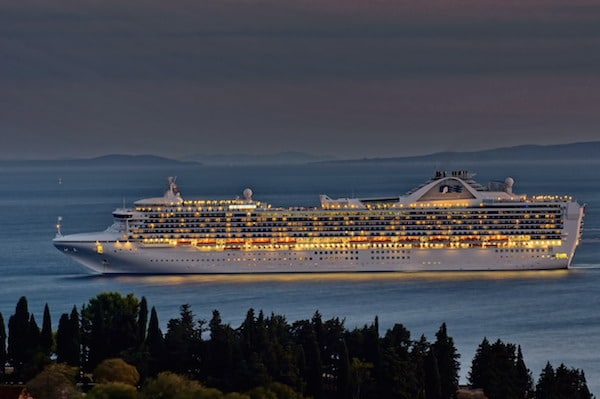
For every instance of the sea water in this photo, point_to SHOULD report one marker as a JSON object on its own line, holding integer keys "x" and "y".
{"x": 553, "y": 315}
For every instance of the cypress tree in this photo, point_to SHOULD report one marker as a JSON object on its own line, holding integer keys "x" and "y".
{"x": 18, "y": 335}
{"x": 34, "y": 337}
{"x": 448, "y": 365}
{"x": 62, "y": 338}
{"x": 67, "y": 339}
{"x": 46, "y": 341}
{"x": 74, "y": 353}
{"x": 142, "y": 321}
{"x": 155, "y": 345}
{"x": 98, "y": 340}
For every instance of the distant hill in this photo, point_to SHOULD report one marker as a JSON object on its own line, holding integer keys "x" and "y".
{"x": 116, "y": 160}
{"x": 576, "y": 152}
{"x": 523, "y": 153}
{"x": 290, "y": 157}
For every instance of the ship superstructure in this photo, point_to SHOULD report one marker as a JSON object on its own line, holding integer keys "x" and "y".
{"x": 451, "y": 222}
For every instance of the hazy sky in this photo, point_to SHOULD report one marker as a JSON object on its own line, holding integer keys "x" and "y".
{"x": 341, "y": 77}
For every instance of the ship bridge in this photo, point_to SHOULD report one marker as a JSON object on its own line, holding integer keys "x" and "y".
{"x": 443, "y": 187}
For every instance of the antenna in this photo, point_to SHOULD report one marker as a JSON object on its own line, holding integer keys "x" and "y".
{"x": 58, "y": 226}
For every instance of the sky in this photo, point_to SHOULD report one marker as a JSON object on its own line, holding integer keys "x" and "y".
{"x": 346, "y": 78}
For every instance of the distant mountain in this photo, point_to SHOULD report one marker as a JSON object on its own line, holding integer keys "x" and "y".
{"x": 116, "y": 160}
{"x": 290, "y": 157}
{"x": 534, "y": 153}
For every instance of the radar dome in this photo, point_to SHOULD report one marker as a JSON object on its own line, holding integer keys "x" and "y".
{"x": 247, "y": 194}
{"x": 508, "y": 184}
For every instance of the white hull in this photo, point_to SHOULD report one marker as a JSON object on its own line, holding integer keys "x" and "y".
{"x": 189, "y": 260}
{"x": 451, "y": 223}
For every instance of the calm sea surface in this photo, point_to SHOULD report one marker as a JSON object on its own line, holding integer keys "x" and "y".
{"x": 554, "y": 316}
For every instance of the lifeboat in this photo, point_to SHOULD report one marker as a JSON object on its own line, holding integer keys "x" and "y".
{"x": 205, "y": 241}
{"x": 286, "y": 240}
{"x": 359, "y": 239}
{"x": 381, "y": 239}
{"x": 258, "y": 241}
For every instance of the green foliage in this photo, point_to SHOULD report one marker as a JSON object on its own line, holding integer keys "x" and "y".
{"x": 112, "y": 390}
{"x": 360, "y": 373}
{"x": 265, "y": 357}
{"x": 116, "y": 370}
{"x": 55, "y": 381}
{"x": 235, "y": 395}
{"x": 183, "y": 342}
{"x": 110, "y": 326}
{"x": 500, "y": 371}
{"x": 169, "y": 385}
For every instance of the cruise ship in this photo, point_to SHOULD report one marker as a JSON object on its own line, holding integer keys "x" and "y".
{"x": 449, "y": 223}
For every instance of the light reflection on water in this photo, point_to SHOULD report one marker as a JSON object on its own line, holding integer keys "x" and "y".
{"x": 334, "y": 277}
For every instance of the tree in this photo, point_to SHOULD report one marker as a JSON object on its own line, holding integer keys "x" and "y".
{"x": 360, "y": 373}
{"x": 112, "y": 390}
{"x": 18, "y": 335}
{"x": 183, "y": 341}
{"x": 168, "y": 385}
{"x": 562, "y": 383}
{"x": 522, "y": 377}
{"x": 448, "y": 365}
{"x": 142, "y": 321}
{"x": 220, "y": 356}
{"x": 155, "y": 345}
{"x": 116, "y": 370}
{"x": 110, "y": 326}
{"x": 68, "y": 339}
{"x": 479, "y": 376}
{"x": 310, "y": 354}
{"x": 55, "y": 381}
{"x": 398, "y": 377}
{"x": 433, "y": 388}
{"x": 500, "y": 371}
{"x": 46, "y": 340}
{"x": 545, "y": 386}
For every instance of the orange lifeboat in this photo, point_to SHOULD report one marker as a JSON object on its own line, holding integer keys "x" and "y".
{"x": 259, "y": 241}
{"x": 205, "y": 241}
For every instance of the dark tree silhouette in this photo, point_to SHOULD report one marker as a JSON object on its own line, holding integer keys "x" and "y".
{"x": 46, "y": 339}
{"x": 68, "y": 339}
{"x": 18, "y": 335}
{"x": 142, "y": 321}
{"x": 183, "y": 342}
{"x": 109, "y": 326}
{"x": 155, "y": 345}
{"x": 448, "y": 365}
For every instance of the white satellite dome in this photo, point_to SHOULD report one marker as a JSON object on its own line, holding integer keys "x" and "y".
{"x": 247, "y": 194}
{"x": 509, "y": 182}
